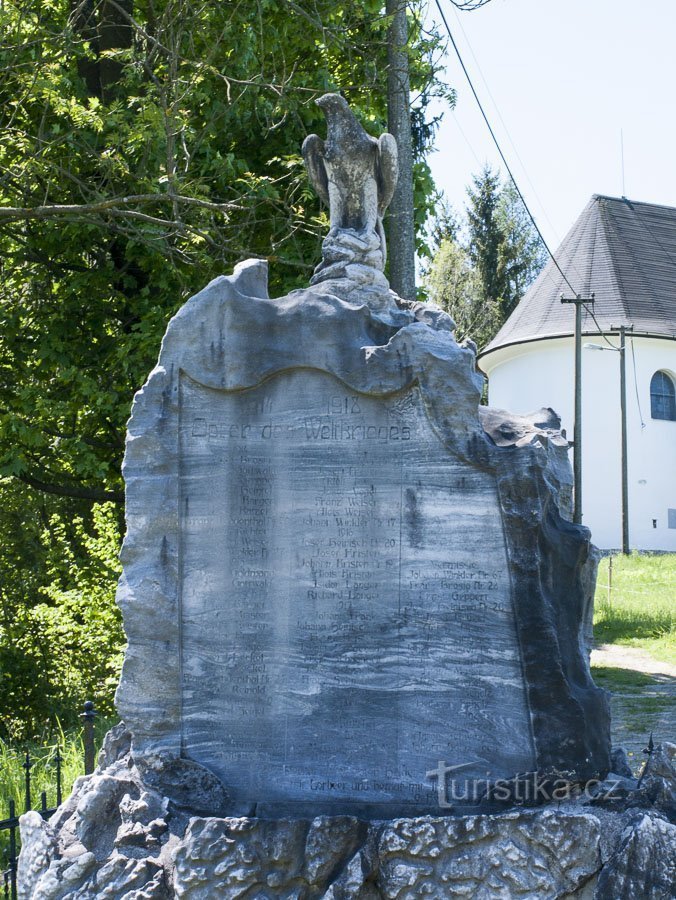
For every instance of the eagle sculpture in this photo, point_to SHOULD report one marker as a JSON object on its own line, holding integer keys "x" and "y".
{"x": 354, "y": 173}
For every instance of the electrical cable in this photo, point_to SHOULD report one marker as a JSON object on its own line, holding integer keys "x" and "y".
{"x": 465, "y": 138}
{"x": 589, "y": 310}
{"x": 638, "y": 399}
{"x": 469, "y": 5}
{"x": 650, "y": 231}
{"x": 506, "y": 129}
{"x": 499, "y": 148}
{"x": 585, "y": 306}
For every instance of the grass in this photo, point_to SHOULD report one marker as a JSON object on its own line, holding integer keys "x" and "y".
{"x": 638, "y": 612}
{"x": 43, "y": 772}
{"x": 640, "y": 608}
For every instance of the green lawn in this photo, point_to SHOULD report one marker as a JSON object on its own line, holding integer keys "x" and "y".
{"x": 639, "y": 610}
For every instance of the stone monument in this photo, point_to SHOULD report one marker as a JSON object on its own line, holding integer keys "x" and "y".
{"x": 333, "y": 572}
{"x": 343, "y": 580}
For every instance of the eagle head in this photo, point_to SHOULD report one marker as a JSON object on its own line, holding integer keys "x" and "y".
{"x": 333, "y": 104}
{"x": 344, "y": 129}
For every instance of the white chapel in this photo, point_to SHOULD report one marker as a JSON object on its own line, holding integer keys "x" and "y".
{"x": 625, "y": 253}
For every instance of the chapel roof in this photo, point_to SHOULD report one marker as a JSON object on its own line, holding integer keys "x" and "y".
{"x": 624, "y": 252}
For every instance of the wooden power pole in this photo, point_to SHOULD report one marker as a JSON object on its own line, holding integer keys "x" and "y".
{"x": 622, "y": 330}
{"x": 401, "y": 232}
{"x": 579, "y": 302}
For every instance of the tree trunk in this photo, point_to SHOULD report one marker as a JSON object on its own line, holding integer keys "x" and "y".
{"x": 401, "y": 232}
{"x": 106, "y": 26}
{"x": 115, "y": 33}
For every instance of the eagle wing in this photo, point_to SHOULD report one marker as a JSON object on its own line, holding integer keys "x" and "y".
{"x": 387, "y": 171}
{"x": 313, "y": 154}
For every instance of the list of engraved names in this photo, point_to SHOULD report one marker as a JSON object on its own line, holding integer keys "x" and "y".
{"x": 345, "y": 609}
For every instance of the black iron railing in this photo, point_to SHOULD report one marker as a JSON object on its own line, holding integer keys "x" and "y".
{"x": 11, "y": 823}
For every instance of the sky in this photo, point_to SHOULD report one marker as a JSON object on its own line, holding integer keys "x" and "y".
{"x": 559, "y": 80}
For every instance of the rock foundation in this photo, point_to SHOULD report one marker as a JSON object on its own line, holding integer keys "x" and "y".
{"x": 119, "y": 837}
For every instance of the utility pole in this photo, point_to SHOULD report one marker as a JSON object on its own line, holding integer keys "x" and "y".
{"x": 401, "y": 237}
{"x": 622, "y": 331}
{"x": 579, "y": 301}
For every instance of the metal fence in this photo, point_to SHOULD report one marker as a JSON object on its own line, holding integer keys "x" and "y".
{"x": 11, "y": 823}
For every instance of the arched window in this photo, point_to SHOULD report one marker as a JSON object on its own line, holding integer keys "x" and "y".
{"x": 662, "y": 397}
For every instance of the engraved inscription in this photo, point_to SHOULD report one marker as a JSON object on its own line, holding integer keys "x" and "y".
{"x": 345, "y": 607}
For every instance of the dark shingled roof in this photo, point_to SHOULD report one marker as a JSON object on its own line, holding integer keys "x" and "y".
{"x": 625, "y": 252}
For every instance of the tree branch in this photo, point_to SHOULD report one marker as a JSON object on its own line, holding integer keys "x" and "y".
{"x": 65, "y": 490}
{"x": 50, "y": 211}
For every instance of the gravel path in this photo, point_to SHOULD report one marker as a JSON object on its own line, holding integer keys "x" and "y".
{"x": 630, "y": 658}
{"x": 636, "y": 713}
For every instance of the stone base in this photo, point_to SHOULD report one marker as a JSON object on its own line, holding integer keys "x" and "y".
{"x": 133, "y": 832}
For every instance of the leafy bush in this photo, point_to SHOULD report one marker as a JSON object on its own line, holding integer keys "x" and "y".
{"x": 61, "y": 637}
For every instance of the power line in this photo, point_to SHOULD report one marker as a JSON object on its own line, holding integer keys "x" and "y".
{"x": 497, "y": 143}
{"x": 469, "y": 5}
{"x": 507, "y": 166}
{"x": 638, "y": 399}
{"x": 466, "y": 139}
{"x": 505, "y": 128}
{"x": 598, "y": 327}
{"x": 587, "y": 308}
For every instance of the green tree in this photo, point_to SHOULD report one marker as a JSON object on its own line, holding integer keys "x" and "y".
{"x": 455, "y": 285}
{"x": 60, "y": 632}
{"x": 147, "y": 148}
{"x": 446, "y": 225}
{"x": 480, "y": 272}
{"x": 522, "y": 253}
{"x": 485, "y": 237}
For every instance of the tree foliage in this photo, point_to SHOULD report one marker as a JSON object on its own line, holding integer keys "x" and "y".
{"x": 146, "y": 147}
{"x": 480, "y": 277}
{"x": 455, "y": 285}
{"x": 485, "y": 237}
{"x": 522, "y": 253}
{"x": 60, "y": 631}
{"x": 502, "y": 243}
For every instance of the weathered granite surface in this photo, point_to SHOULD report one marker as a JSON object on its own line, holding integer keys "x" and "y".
{"x": 116, "y": 838}
{"x": 644, "y": 863}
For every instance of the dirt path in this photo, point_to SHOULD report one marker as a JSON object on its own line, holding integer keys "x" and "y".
{"x": 636, "y": 712}
{"x": 630, "y": 658}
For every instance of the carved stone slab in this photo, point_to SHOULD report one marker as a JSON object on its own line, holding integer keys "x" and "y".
{"x": 345, "y": 601}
